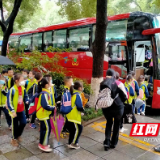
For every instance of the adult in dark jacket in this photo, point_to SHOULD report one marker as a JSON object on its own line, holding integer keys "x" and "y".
{"x": 114, "y": 111}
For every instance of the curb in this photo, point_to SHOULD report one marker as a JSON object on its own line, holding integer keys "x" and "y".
{"x": 86, "y": 123}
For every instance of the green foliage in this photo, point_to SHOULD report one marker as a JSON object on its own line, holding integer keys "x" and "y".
{"x": 75, "y": 9}
{"x": 90, "y": 113}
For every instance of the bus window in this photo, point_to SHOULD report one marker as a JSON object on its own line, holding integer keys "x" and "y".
{"x": 116, "y": 53}
{"x": 25, "y": 43}
{"x": 60, "y": 39}
{"x": 47, "y": 40}
{"x": 79, "y": 39}
{"x": 37, "y": 41}
{"x": 13, "y": 42}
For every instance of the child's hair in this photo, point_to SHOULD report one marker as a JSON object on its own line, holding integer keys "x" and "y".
{"x": 67, "y": 78}
{"x": 10, "y": 69}
{"x": 76, "y": 86}
{"x": 129, "y": 77}
{"x": 132, "y": 73}
{"x": 38, "y": 76}
{"x": 117, "y": 75}
{"x": 48, "y": 76}
{"x": 17, "y": 77}
{"x": 33, "y": 72}
{"x": 25, "y": 70}
{"x": 42, "y": 84}
{"x": 141, "y": 78}
{"x": 4, "y": 71}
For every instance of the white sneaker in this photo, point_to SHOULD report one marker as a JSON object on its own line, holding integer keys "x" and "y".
{"x": 121, "y": 130}
{"x": 74, "y": 146}
{"x": 142, "y": 113}
{"x": 138, "y": 114}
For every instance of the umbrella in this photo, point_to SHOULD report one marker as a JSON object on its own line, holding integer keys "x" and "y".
{"x": 57, "y": 123}
{"x": 5, "y": 61}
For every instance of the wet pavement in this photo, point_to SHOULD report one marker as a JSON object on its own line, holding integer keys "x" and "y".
{"x": 128, "y": 148}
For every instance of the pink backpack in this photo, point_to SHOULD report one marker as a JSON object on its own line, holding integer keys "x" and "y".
{"x": 133, "y": 85}
{"x": 141, "y": 93}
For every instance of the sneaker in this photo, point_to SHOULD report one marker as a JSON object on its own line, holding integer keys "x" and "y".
{"x": 138, "y": 114}
{"x": 14, "y": 143}
{"x": 121, "y": 130}
{"x": 33, "y": 126}
{"x": 74, "y": 146}
{"x": 19, "y": 139}
{"x": 44, "y": 148}
{"x": 157, "y": 149}
{"x": 142, "y": 113}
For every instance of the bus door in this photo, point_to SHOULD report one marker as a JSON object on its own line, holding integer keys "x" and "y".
{"x": 117, "y": 53}
{"x": 143, "y": 65}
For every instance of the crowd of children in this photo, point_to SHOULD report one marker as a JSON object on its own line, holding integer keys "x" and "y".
{"x": 20, "y": 91}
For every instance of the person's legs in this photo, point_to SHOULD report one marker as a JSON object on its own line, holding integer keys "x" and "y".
{"x": 0, "y": 115}
{"x": 15, "y": 127}
{"x": 109, "y": 123}
{"x": 117, "y": 121}
{"x": 26, "y": 110}
{"x": 22, "y": 122}
{"x": 45, "y": 130}
{"x": 32, "y": 125}
{"x": 79, "y": 129}
{"x": 8, "y": 118}
{"x": 72, "y": 132}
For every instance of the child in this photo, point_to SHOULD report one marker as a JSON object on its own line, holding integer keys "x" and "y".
{"x": 142, "y": 86}
{"x": 74, "y": 117}
{"x": 135, "y": 86}
{"x": 31, "y": 89}
{"x": 3, "y": 95}
{"x": 16, "y": 98}
{"x": 131, "y": 95}
{"x": 5, "y": 74}
{"x": 10, "y": 81}
{"x": 25, "y": 74}
{"x": 45, "y": 108}
{"x": 52, "y": 88}
{"x": 68, "y": 82}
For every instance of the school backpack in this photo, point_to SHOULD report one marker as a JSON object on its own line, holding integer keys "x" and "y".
{"x": 33, "y": 106}
{"x": 141, "y": 93}
{"x": 133, "y": 85}
{"x": 66, "y": 107}
{"x": 148, "y": 55}
{"x": 104, "y": 99}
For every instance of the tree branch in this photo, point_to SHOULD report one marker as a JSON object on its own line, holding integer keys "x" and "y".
{"x": 11, "y": 18}
{"x": 3, "y": 26}
{"x": 1, "y": 7}
{"x": 135, "y": 1}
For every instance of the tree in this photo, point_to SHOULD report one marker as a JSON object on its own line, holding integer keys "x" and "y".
{"x": 75, "y": 9}
{"x": 98, "y": 49}
{"x": 13, "y": 7}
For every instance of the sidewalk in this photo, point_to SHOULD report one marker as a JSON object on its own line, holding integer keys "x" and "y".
{"x": 91, "y": 145}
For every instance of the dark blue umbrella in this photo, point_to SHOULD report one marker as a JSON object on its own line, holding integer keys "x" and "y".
{"x": 5, "y": 61}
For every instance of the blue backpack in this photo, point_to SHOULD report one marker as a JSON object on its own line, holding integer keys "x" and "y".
{"x": 66, "y": 102}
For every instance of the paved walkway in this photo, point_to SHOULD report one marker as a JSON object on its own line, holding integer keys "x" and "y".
{"x": 91, "y": 145}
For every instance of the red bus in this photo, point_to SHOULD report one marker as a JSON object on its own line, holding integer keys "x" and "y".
{"x": 132, "y": 43}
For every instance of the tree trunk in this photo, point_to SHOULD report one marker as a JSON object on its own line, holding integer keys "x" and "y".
{"x": 4, "y": 44}
{"x": 98, "y": 49}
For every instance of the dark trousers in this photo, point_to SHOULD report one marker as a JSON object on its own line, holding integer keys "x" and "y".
{"x": 45, "y": 130}
{"x": 33, "y": 118}
{"x": 65, "y": 127}
{"x": 75, "y": 131}
{"x": 18, "y": 124}
{"x": 109, "y": 115}
{"x": 8, "y": 118}
{"x": 26, "y": 109}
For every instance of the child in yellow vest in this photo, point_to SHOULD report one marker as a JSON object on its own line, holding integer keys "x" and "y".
{"x": 45, "y": 108}
{"x": 3, "y": 99}
{"x": 16, "y": 100}
{"x": 74, "y": 117}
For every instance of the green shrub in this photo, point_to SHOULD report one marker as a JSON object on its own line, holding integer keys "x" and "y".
{"x": 90, "y": 113}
